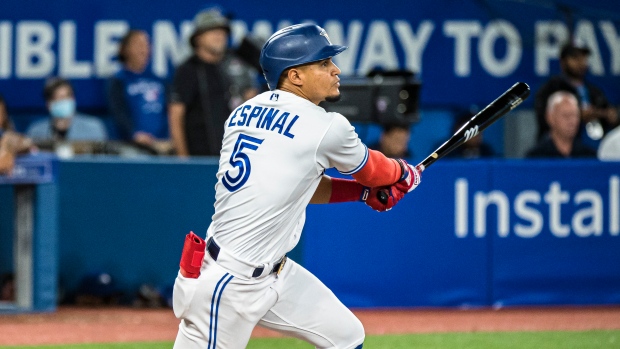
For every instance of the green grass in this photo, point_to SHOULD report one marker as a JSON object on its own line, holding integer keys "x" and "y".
{"x": 478, "y": 340}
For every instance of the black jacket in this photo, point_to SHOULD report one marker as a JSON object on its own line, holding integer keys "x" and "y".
{"x": 547, "y": 149}
{"x": 204, "y": 90}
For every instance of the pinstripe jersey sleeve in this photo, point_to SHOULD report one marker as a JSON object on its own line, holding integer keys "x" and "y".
{"x": 341, "y": 147}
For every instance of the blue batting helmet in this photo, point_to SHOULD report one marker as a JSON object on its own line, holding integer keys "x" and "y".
{"x": 295, "y": 45}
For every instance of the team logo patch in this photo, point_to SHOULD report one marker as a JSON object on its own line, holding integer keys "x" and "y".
{"x": 274, "y": 97}
{"x": 324, "y": 33}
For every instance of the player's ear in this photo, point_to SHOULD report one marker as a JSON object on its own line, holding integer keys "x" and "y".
{"x": 295, "y": 76}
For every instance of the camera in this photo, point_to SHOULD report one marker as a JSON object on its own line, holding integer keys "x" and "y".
{"x": 384, "y": 97}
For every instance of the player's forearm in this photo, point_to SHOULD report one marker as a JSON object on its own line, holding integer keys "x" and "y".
{"x": 379, "y": 170}
{"x": 346, "y": 190}
{"x": 176, "y": 119}
{"x": 335, "y": 190}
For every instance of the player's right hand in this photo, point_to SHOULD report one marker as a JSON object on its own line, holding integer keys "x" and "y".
{"x": 411, "y": 178}
{"x": 394, "y": 194}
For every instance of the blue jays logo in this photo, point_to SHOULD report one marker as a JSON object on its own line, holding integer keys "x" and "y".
{"x": 324, "y": 33}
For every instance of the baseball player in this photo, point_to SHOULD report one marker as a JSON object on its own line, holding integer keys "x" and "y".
{"x": 274, "y": 154}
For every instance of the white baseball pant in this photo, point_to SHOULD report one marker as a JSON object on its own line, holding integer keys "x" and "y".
{"x": 219, "y": 310}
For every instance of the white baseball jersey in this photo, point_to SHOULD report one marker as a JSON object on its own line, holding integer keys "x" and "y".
{"x": 276, "y": 148}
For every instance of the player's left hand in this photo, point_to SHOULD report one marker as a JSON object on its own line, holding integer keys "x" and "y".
{"x": 412, "y": 176}
{"x": 394, "y": 194}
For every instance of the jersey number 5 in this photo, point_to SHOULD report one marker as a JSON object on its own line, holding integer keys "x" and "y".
{"x": 240, "y": 160}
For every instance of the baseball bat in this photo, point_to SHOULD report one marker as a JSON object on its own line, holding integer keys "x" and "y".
{"x": 483, "y": 119}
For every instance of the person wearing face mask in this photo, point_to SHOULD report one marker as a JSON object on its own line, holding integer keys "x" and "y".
{"x": 206, "y": 87}
{"x": 65, "y": 124}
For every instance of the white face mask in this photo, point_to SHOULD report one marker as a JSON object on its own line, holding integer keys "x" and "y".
{"x": 64, "y": 108}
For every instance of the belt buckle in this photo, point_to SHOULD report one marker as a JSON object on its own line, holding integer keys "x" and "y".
{"x": 281, "y": 265}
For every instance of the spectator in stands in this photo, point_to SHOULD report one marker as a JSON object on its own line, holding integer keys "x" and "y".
{"x": 11, "y": 142}
{"x": 207, "y": 87}
{"x": 394, "y": 140}
{"x": 136, "y": 97}
{"x": 597, "y": 115}
{"x": 64, "y": 123}
{"x": 472, "y": 149}
{"x": 562, "y": 116}
{"x": 609, "y": 150}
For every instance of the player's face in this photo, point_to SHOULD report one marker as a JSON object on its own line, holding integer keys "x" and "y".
{"x": 321, "y": 81}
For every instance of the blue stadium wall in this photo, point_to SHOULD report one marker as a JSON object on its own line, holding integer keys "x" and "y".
{"x": 475, "y": 233}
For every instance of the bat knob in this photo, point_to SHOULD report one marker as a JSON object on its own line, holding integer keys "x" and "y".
{"x": 382, "y": 196}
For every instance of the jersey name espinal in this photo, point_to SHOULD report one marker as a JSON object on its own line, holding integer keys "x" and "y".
{"x": 275, "y": 150}
{"x": 263, "y": 117}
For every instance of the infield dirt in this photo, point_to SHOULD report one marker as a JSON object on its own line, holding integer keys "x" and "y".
{"x": 105, "y": 325}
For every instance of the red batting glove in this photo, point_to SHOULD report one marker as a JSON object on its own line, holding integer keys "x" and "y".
{"x": 394, "y": 194}
{"x": 192, "y": 255}
{"x": 411, "y": 178}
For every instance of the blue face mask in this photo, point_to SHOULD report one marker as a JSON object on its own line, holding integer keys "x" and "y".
{"x": 64, "y": 108}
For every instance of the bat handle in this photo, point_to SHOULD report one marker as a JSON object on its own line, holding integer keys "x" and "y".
{"x": 383, "y": 196}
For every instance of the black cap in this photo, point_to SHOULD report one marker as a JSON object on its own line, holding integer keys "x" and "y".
{"x": 572, "y": 50}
